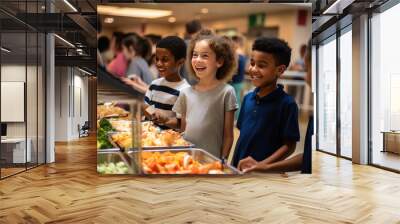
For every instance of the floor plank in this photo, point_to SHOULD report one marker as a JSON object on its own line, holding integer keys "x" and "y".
{"x": 70, "y": 191}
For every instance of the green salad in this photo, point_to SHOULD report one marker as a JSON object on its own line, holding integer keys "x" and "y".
{"x": 112, "y": 168}
{"x": 102, "y": 138}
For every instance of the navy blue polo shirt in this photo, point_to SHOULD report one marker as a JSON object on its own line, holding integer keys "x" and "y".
{"x": 265, "y": 123}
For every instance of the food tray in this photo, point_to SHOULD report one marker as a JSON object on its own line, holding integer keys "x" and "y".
{"x": 116, "y": 145}
{"x": 114, "y": 156}
{"x": 115, "y": 116}
{"x": 130, "y": 157}
{"x": 112, "y": 106}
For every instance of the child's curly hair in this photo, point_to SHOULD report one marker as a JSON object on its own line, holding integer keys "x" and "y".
{"x": 223, "y": 49}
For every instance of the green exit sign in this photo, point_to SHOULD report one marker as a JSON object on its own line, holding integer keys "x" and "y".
{"x": 256, "y": 20}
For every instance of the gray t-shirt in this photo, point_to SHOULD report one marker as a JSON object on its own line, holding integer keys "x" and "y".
{"x": 205, "y": 112}
{"x": 138, "y": 66}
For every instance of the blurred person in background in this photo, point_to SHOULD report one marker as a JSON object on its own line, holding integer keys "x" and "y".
{"x": 119, "y": 64}
{"x": 99, "y": 58}
{"x": 103, "y": 45}
{"x": 237, "y": 79}
{"x": 154, "y": 39}
{"x": 192, "y": 28}
{"x": 299, "y": 64}
{"x": 136, "y": 49}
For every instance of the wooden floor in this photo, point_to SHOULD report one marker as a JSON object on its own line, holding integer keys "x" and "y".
{"x": 70, "y": 191}
{"x": 386, "y": 159}
{"x": 5, "y": 172}
{"x": 10, "y": 171}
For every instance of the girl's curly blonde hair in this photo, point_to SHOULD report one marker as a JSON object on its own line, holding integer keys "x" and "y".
{"x": 223, "y": 49}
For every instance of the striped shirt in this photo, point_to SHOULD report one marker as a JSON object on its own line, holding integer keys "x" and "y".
{"x": 163, "y": 94}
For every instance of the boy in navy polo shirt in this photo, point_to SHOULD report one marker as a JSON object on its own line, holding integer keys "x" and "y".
{"x": 268, "y": 119}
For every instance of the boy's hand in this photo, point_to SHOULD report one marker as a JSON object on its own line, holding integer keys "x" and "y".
{"x": 247, "y": 163}
{"x": 257, "y": 167}
{"x": 149, "y": 111}
{"x": 136, "y": 83}
{"x": 131, "y": 82}
{"x": 159, "y": 118}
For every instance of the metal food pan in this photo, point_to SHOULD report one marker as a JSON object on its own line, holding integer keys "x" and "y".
{"x": 147, "y": 148}
{"x": 107, "y": 157}
{"x": 198, "y": 154}
{"x": 201, "y": 156}
{"x": 115, "y": 144}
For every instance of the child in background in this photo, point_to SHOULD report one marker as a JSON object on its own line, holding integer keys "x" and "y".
{"x": 136, "y": 49}
{"x": 268, "y": 119}
{"x": 163, "y": 92}
{"x": 103, "y": 45}
{"x": 206, "y": 110}
{"x": 119, "y": 64}
{"x": 237, "y": 79}
{"x": 153, "y": 38}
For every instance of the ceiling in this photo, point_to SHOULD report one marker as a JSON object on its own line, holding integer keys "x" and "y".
{"x": 23, "y": 47}
{"x": 16, "y": 16}
{"x": 38, "y": 6}
{"x": 184, "y": 12}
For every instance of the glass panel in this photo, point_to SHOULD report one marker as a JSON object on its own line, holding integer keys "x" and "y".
{"x": 346, "y": 94}
{"x": 22, "y": 79}
{"x": 385, "y": 84}
{"x": 13, "y": 86}
{"x": 314, "y": 86}
{"x": 32, "y": 88}
{"x": 327, "y": 96}
{"x": 41, "y": 99}
{"x": 32, "y": 96}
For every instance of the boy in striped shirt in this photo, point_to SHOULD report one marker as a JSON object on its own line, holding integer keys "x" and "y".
{"x": 163, "y": 92}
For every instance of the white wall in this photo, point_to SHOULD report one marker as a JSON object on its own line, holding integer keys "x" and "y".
{"x": 71, "y": 93}
{"x": 80, "y": 110}
{"x": 16, "y": 73}
{"x": 34, "y": 125}
{"x": 61, "y": 103}
{"x": 12, "y": 73}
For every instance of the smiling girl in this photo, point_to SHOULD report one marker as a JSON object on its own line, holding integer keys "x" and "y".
{"x": 206, "y": 110}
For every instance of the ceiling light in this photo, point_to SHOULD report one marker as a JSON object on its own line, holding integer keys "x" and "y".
{"x": 132, "y": 12}
{"x": 5, "y": 50}
{"x": 65, "y": 41}
{"x": 43, "y": 7}
{"x": 109, "y": 20}
{"x": 171, "y": 19}
{"x": 204, "y": 10}
{"x": 70, "y": 5}
{"x": 86, "y": 72}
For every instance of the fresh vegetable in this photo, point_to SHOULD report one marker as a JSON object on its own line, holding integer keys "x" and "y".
{"x": 102, "y": 139}
{"x": 105, "y": 124}
{"x": 112, "y": 168}
{"x": 177, "y": 163}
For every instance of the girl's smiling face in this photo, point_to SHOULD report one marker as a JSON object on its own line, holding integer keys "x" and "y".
{"x": 204, "y": 60}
